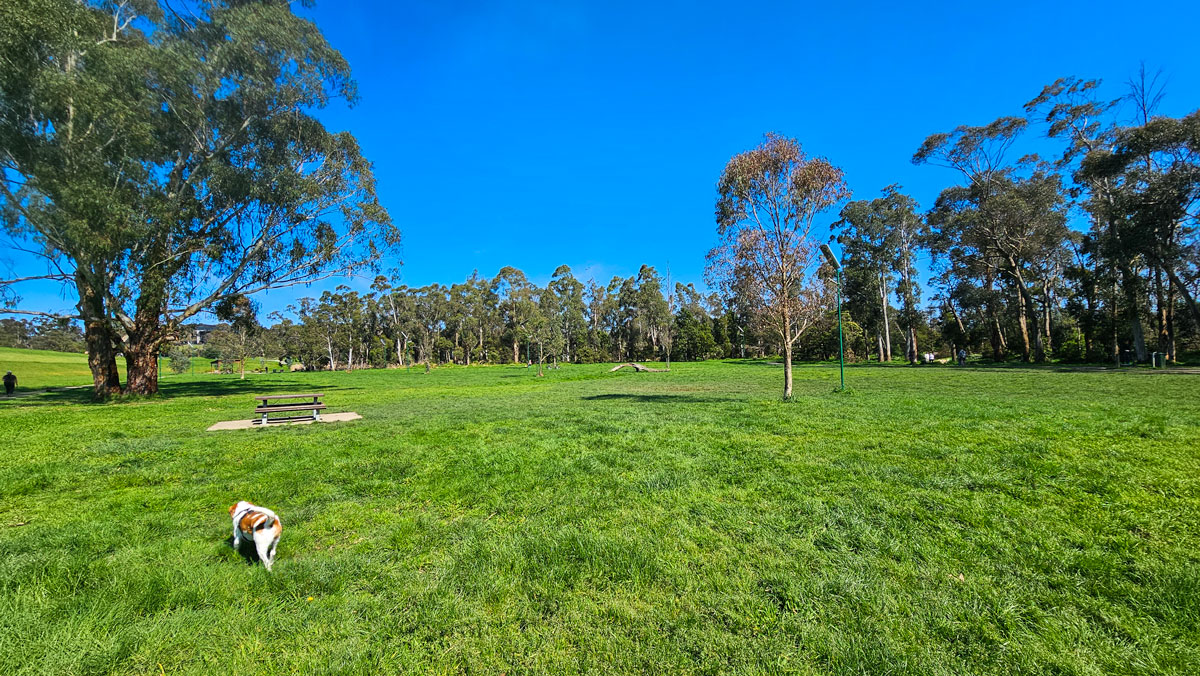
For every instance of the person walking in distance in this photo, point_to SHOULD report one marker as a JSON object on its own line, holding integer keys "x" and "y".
{"x": 10, "y": 384}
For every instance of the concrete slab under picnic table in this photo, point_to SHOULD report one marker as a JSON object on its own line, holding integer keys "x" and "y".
{"x": 257, "y": 422}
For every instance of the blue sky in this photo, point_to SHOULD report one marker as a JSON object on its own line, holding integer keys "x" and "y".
{"x": 540, "y": 133}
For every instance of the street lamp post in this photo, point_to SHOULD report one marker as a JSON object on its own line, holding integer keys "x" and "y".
{"x": 837, "y": 268}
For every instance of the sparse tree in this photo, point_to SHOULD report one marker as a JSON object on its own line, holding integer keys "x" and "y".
{"x": 768, "y": 199}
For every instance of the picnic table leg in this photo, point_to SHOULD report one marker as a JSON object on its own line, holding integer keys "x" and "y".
{"x": 264, "y": 418}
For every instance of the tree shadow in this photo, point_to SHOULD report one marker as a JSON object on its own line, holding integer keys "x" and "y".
{"x": 181, "y": 390}
{"x": 660, "y": 398}
{"x": 772, "y": 363}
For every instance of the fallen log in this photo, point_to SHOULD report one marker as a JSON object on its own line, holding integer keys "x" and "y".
{"x": 636, "y": 367}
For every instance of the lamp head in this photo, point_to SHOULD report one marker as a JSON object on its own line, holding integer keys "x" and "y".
{"x": 828, "y": 254}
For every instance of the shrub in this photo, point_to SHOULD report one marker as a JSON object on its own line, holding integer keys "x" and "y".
{"x": 181, "y": 360}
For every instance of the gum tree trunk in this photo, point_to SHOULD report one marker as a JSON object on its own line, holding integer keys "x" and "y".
{"x": 102, "y": 359}
{"x": 141, "y": 364}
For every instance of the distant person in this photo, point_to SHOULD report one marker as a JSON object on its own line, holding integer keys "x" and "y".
{"x": 10, "y": 384}
{"x": 962, "y": 357}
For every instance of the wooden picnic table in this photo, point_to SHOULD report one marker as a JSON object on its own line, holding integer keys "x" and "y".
{"x": 265, "y": 406}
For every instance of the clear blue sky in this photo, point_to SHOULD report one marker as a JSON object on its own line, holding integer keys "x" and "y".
{"x": 592, "y": 134}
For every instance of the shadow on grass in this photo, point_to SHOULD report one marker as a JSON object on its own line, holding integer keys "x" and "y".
{"x": 176, "y": 390}
{"x": 660, "y": 398}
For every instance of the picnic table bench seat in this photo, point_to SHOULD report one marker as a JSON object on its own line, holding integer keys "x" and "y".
{"x": 290, "y": 407}
{"x": 267, "y": 406}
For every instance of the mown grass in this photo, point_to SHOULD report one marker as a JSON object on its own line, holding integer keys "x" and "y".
{"x": 933, "y": 520}
{"x": 39, "y": 369}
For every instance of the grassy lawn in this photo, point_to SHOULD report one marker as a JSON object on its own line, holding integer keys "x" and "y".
{"x": 934, "y": 520}
{"x": 39, "y": 369}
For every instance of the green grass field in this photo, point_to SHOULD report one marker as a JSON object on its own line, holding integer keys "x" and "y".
{"x": 39, "y": 369}
{"x": 934, "y": 520}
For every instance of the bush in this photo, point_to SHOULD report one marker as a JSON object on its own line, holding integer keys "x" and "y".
{"x": 181, "y": 360}
{"x": 1072, "y": 349}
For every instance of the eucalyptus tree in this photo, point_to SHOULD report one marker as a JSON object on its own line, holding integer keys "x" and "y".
{"x": 613, "y": 318}
{"x": 693, "y": 338}
{"x": 480, "y": 312}
{"x": 545, "y": 326}
{"x": 517, "y": 306}
{"x": 596, "y": 300}
{"x": 396, "y": 310}
{"x": 1005, "y": 230}
{"x": 653, "y": 311}
{"x": 980, "y": 155}
{"x": 768, "y": 199}
{"x": 73, "y": 130}
{"x": 879, "y": 240}
{"x": 1154, "y": 171}
{"x": 244, "y": 335}
{"x": 571, "y": 321}
{"x": 186, "y": 167}
{"x": 867, "y": 275}
{"x": 1076, "y": 114}
{"x": 429, "y": 312}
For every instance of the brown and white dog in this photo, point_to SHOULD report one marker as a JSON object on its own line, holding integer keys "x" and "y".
{"x": 258, "y": 525}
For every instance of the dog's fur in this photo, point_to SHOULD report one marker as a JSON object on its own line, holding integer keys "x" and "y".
{"x": 259, "y": 525}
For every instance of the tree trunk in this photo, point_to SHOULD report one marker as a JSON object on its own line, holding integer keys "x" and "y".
{"x": 1160, "y": 310}
{"x": 998, "y": 344}
{"x": 911, "y": 345}
{"x": 1115, "y": 321}
{"x": 141, "y": 363}
{"x": 1047, "y": 307}
{"x": 787, "y": 368}
{"x": 516, "y": 351}
{"x": 962, "y": 330}
{"x": 1188, "y": 300}
{"x": 102, "y": 359}
{"x": 887, "y": 326}
{"x": 1170, "y": 321}
{"x": 1132, "y": 312}
{"x": 1088, "y": 328}
{"x": 541, "y": 359}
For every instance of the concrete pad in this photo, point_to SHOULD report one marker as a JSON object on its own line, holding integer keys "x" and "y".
{"x": 249, "y": 424}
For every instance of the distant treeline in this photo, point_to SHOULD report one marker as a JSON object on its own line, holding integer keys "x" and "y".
{"x": 506, "y": 319}
{"x": 63, "y": 335}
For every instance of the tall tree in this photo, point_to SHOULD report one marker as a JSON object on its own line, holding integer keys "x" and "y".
{"x": 1155, "y": 172}
{"x": 879, "y": 239}
{"x": 570, "y": 322}
{"x": 768, "y": 199}
{"x": 226, "y": 184}
{"x": 517, "y": 306}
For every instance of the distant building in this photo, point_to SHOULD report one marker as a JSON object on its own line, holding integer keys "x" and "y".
{"x": 197, "y": 334}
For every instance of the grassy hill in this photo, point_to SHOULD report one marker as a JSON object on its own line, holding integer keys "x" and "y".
{"x": 39, "y": 369}
{"x": 934, "y": 520}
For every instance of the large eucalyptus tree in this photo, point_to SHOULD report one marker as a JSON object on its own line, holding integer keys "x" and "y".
{"x": 162, "y": 161}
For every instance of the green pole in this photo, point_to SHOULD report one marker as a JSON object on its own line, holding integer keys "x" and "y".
{"x": 841, "y": 348}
